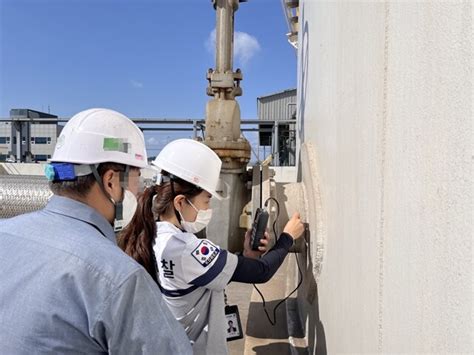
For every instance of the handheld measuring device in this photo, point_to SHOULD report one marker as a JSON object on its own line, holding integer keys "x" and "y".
{"x": 258, "y": 227}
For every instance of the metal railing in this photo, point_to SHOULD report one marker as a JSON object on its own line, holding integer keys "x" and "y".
{"x": 195, "y": 125}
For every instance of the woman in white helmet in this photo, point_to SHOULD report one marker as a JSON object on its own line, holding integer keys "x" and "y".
{"x": 192, "y": 273}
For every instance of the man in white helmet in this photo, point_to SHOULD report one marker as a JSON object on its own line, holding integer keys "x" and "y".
{"x": 65, "y": 286}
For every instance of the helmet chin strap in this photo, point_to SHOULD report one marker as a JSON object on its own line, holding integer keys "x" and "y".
{"x": 118, "y": 205}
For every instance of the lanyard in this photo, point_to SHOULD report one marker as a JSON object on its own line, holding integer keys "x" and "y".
{"x": 233, "y": 324}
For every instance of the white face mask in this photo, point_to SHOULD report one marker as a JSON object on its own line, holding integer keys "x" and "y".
{"x": 129, "y": 206}
{"x": 202, "y": 220}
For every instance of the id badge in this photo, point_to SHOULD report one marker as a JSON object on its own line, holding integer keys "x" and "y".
{"x": 233, "y": 326}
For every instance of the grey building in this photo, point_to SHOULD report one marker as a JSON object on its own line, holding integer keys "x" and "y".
{"x": 280, "y": 137}
{"x": 6, "y": 141}
{"x": 29, "y": 137}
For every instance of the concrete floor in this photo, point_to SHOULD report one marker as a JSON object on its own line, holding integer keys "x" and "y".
{"x": 261, "y": 337}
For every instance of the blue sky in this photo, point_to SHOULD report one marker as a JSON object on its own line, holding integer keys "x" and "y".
{"x": 144, "y": 58}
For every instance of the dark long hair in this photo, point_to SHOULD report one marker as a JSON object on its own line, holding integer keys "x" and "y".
{"x": 138, "y": 238}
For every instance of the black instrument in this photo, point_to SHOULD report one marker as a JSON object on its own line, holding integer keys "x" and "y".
{"x": 258, "y": 228}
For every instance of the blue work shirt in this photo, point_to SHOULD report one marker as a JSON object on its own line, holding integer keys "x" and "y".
{"x": 66, "y": 287}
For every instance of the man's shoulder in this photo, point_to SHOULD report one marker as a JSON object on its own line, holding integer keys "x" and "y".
{"x": 18, "y": 220}
{"x": 76, "y": 245}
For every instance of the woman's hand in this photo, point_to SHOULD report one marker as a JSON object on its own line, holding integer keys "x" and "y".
{"x": 294, "y": 227}
{"x": 255, "y": 254}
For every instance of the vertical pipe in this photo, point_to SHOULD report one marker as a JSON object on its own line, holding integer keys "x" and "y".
{"x": 277, "y": 146}
{"x": 224, "y": 35}
{"x": 18, "y": 142}
{"x": 29, "y": 156}
{"x": 272, "y": 150}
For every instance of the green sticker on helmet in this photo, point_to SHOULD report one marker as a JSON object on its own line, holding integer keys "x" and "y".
{"x": 116, "y": 145}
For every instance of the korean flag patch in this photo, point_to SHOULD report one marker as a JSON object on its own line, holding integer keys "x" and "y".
{"x": 205, "y": 252}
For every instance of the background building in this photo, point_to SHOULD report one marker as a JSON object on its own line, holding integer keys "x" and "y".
{"x": 278, "y": 139}
{"x": 6, "y": 153}
{"x": 30, "y": 137}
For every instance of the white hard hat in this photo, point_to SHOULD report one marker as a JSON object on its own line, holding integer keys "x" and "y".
{"x": 100, "y": 135}
{"x": 193, "y": 162}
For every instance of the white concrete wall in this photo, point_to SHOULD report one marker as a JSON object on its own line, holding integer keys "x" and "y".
{"x": 284, "y": 173}
{"x": 385, "y": 96}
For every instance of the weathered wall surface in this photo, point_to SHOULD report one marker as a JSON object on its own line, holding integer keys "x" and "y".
{"x": 385, "y": 97}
